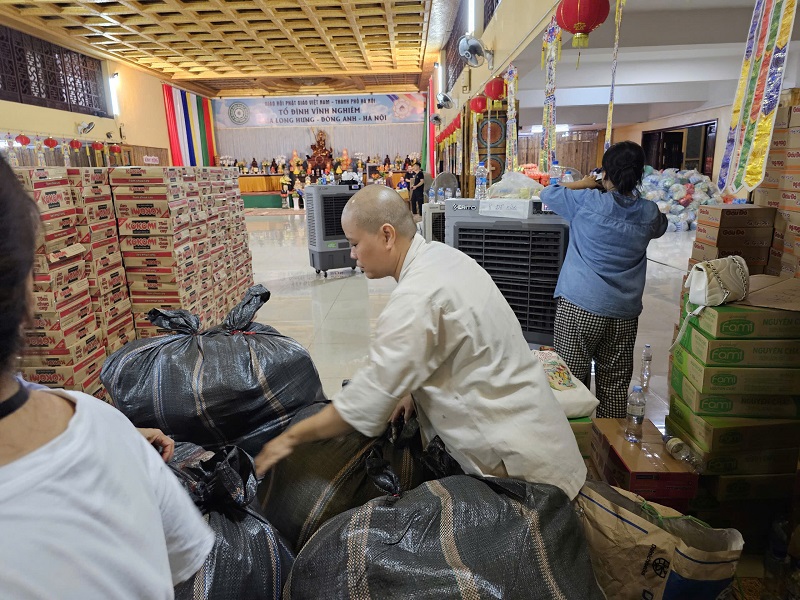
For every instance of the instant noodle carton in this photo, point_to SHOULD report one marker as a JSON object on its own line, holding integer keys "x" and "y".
{"x": 735, "y": 215}
{"x": 87, "y": 176}
{"x": 127, "y": 176}
{"x": 72, "y": 355}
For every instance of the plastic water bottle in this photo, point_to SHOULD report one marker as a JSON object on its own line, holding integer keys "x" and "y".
{"x": 555, "y": 173}
{"x": 567, "y": 177}
{"x": 448, "y": 193}
{"x": 481, "y": 175}
{"x": 440, "y": 195}
{"x": 458, "y": 193}
{"x": 431, "y": 196}
{"x": 647, "y": 361}
{"x": 635, "y": 415}
{"x": 681, "y": 451}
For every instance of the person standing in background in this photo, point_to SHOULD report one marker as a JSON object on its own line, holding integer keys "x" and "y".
{"x": 417, "y": 189}
{"x": 602, "y": 279}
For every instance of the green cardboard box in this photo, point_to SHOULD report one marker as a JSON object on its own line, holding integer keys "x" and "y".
{"x": 737, "y": 321}
{"x": 733, "y": 405}
{"x": 742, "y": 353}
{"x": 582, "y": 430}
{"x": 739, "y": 462}
{"x": 736, "y": 380}
{"x": 754, "y": 487}
{"x": 734, "y": 433}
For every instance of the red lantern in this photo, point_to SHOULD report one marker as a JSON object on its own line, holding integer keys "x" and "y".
{"x": 478, "y": 104}
{"x": 22, "y": 139}
{"x": 97, "y": 145}
{"x": 496, "y": 89}
{"x": 75, "y": 144}
{"x": 115, "y": 148}
{"x": 581, "y": 17}
{"x": 50, "y": 143}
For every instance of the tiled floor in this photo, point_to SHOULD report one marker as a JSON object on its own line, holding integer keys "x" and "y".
{"x": 334, "y": 317}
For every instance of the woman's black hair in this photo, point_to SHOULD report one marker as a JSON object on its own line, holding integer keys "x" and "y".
{"x": 623, "y": 164}
{"x": 18, "y": 228}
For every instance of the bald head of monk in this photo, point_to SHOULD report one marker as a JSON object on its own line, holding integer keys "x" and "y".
{"x": 380, "y": 228}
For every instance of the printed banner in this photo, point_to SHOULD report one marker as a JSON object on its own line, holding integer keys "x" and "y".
{"x": 191, "y": 136}
{"x": 297, "y": 111}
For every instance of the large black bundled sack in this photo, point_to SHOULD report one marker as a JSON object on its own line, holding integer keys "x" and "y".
{"x": 458, "y": 537}
{"x": 319, "y": 480}
{"x": 238, "y": 383}
{"x": 249, "y": 559}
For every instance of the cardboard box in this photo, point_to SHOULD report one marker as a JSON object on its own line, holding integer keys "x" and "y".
{"x": 582, "y": 430}
{"x": 145, "y": 333}
{"x": 45, "y": 263}
{"x": 780, "y": 138}
{"x": 58, "y": 219}
{"x": 66, "y": 377}
{"x": 736, "y": 380}
{"x": 88, "y": 195}
{"x": 65, "y": 317}
{"x": 149, "y": 193}
{"x": 793, "y": 115}
{"x": 793, "y": 152}
{"x": 96, "y": 211}
{"x": 753, "y": 487}
{"x": 128, "y": 176}
{"x": 47, "y": 339}
{"x": 154, "y": 245}
{"x": 734, "y": 433}
{"x": 735, "y": 215}
{"x": 767, "y": 197}
{"x": 150, "y": 227}
{"x": 790, "y": 200}
{"x": 771, "y": 179}
{"x": 103, "y": 263}
{"x": 61, "y": 275}
{"x": 97, "y": 232}
{"x": 72, "y": 355}
{"x": 734, "y": 238}
{"x": 744, "y": 462}
{"x": 107, "y": 280}
{"x": 782, "y": 117}
{"x": 789, "y": 182}
{"x": 53, "y": 198}
{"x": 56, "y": 240}
{"x": 87, "y": 176}
{"x": 123, "y": 322}
{"x": 776, "y": 160}
{"x": 54, "y": 300}
{"x": 741, "y": 353}
{"x": 646, "y": 468}
{"x": 151, "y": 209}
{"x": 738, "y": 321}
{"x": 108, "y": 302}
{"x": 113, "y": 313}
{"x": 41, "y": 177}
{"x": 752, "y": 256}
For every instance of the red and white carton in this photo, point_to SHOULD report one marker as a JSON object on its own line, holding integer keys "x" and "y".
{"x": 113, "y": 313}
{"x": 72, "y": 376}
{"x": 145, "y": 306}
{"x": 157, "y": 246}
{"x": 118, "y": 327}
{"x": 145, "y": 333}
{"x": 87, "y": 176}
{"x": 151, "y": 209}
{"x": 178, "y": 275}
{"x": 73, "y": 355}
{"x": 60, "y": 276}
{"x": 107, "y": 280}
{"x": 149, "y": 193}
{"x": 45, "y": 263}
{"x": 55, "y": 300}
{"x": 97, "y": 232}
{"x": 144, "y": 175}
{"x": 61, "y": 339}
{"x": 107, "y": 302}
{"x": 92, "y": 386}
{"x": 41, "y": 177}
{"x": 98, "y": 265}
{"x": 64, "y": 317}
{"x": 96, "y": 211}
{"x": 102, "y": 248}
{"x": 53, "y": 198}
{"x": 122, "y": 337}
{"x": 171, "y": 226}
{"x": 200, "y": 232}
{"x": 58, "y": 219}
{"x": 82, "y": 195}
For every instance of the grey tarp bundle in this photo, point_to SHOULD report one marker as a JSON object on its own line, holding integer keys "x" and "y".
{"x": 249, "y": 559}
{"x": 458, "y": 537}
{"x": 239, "y": 383}
{"x": 322, "y": 479}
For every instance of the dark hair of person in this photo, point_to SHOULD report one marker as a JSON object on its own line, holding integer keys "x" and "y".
{"x": 623, "y": 164}
{"x": 18, "y": 228}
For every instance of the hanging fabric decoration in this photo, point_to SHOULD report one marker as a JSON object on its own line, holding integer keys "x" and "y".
{"x": 551, "y": 43}
{"x": 190, "y": 128}
{"x": 38, "y": 146}
{"x": 477, "y": 105}
{"x": 512, "y": 158}
{"x": 65, "y": 153}
{"x": 11, "y": 154}
{"x": 753, "y": 112}
{"x": 610, "y": 118}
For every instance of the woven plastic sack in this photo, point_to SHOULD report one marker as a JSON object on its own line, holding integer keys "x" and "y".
{"x": 322, "y": 479}
{"x": 249, "y": 559}
{"x": 458, "y": 537}
{"x": 239, "y": 383}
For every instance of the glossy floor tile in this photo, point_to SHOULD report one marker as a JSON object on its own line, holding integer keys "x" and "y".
{"x": 335, "y": 317}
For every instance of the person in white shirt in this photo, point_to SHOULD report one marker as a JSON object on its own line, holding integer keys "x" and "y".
{"x": 448, "y": 336}
{"x": 88, "y": 509}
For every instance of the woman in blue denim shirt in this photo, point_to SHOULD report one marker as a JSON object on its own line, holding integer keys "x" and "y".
{"x": 602, "y": 279}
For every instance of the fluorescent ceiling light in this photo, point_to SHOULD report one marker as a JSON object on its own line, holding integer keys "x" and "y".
{"x": 471, "y": 16}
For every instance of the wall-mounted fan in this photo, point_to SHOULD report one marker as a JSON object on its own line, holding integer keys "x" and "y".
{"x": 444, "y": 100}
{"x": 474, "y": 53}
{"x": 85, "y": 127}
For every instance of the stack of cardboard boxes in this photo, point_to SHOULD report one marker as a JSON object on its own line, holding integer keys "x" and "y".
{"x": 781, "y": 190}
{"x": 97, "y": 226}
{"x": 735, "y": 399}
{"x": 64, "y": 347}
{"x": 738, "y": 229}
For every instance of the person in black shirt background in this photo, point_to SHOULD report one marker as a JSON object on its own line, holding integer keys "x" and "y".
{"x": 416, "y": 186}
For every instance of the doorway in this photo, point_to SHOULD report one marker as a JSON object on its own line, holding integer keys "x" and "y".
{"x": 688, "y": 147}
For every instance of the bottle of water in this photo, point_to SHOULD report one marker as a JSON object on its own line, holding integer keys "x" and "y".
{"x": 567, "y": 177}
{"x": 458, "y": 193}
{"x": 635, "y": 415}
{"x": 647, "y": 361}
{"x": 481, "y": 175}
{"x": 555, "y": 173}
{"x": 431, "y": 196}
{"x": 448, "y": 193}
{"x": 440, "y": 195}
{"x": 681, "y": 451}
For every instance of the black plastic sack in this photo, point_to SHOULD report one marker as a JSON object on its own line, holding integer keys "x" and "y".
{"x": 458, "y": 537}
{"x": 322, "y": 479}
{"x": 239, "y": 383}
{"x": 249, "y": 558}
